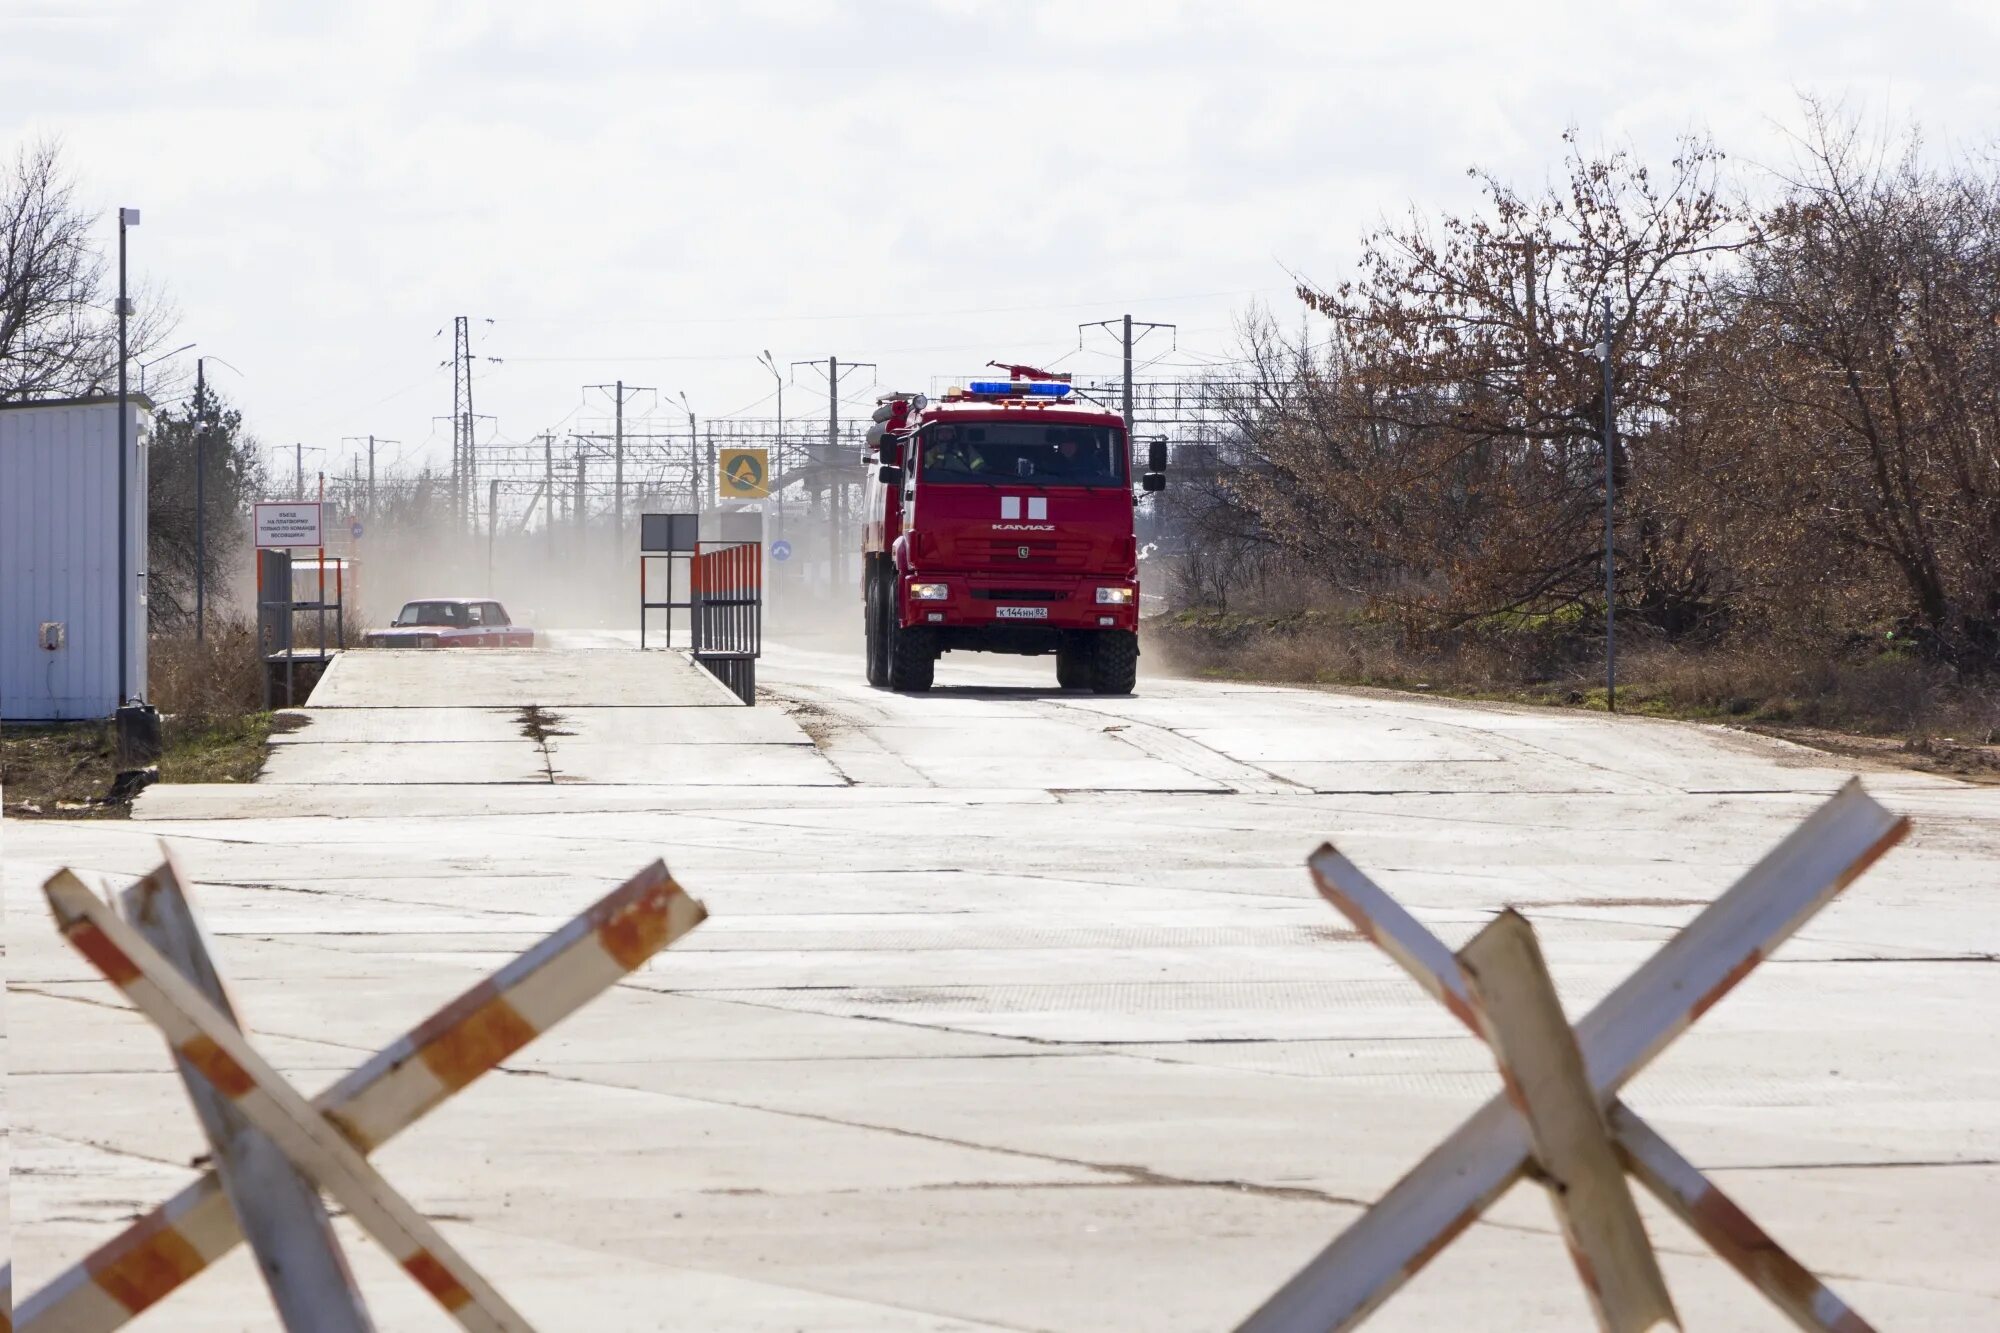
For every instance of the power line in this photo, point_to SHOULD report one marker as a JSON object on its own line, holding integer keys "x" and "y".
{"x": 1126, "y": 325}
{"x": 904, "y": 314}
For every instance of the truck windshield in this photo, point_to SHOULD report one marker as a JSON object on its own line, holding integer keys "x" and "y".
{"x": 1046, "y": 455}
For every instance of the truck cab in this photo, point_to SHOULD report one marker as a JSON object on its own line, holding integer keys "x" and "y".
{"x": 1000, "y": 519}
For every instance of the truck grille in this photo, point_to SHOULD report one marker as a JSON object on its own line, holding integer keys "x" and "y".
{"x": 1045, "y": 553}
{"x": 1020, "y": 594}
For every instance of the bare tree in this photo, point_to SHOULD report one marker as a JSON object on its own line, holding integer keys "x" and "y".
{"x": 58, "y": 332}
{"x": 1871, "y": 356}
{"x": 1468, "y": 379}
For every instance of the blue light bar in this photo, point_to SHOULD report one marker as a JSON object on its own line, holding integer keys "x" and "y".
{"x": 1008, "y": 388}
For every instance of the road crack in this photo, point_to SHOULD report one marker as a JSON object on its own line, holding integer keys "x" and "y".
{"x": 538, "y": 725}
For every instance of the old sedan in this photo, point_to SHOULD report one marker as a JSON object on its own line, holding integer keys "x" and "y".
{"x": 452, "y": 622}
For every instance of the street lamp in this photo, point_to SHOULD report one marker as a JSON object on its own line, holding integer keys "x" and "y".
{"x": 764, "y": 359}
{"x": 202, "y": 415}
{"x": 156, "y": 361}
{"x": 778, "y": 461}
{"x": 694, "y": 456}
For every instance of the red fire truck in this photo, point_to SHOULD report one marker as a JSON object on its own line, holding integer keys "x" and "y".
{"x": 1000, "y": 520}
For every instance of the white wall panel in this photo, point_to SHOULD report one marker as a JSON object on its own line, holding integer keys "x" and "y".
{"x": 59, "y": 557}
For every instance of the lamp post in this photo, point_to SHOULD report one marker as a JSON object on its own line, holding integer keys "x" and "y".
{"x": 127, "y": 218}
{"x": 156, "y": 361}
{"x": 694, "y": 457}
{"x": 202, "y": 415}
{"x": 778, "y": 459}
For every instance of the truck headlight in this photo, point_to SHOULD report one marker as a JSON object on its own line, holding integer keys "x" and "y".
{"x": 929, "y": 592}
{"x": 1114, "y": 597}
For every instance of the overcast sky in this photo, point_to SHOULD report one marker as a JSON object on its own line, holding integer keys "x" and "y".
{"x": 659, "y": 190}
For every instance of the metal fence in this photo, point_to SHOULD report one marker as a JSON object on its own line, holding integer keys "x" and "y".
{"x": 726, "y": 586}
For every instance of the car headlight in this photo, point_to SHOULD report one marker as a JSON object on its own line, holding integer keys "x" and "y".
{"x": 1114, "y": 597}
{"x": 929, "y": 592}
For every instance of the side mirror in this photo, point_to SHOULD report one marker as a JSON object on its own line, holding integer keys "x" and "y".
{"x": 1156, "y": 458}
{"x": 1154, "y": 481}
{"x": 890, "y": 475}
{"x": 891, "y": 454}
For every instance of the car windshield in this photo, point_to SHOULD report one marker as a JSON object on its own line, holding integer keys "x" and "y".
{"x": 1045, "y": 455}
{"x": 432, "y": 613}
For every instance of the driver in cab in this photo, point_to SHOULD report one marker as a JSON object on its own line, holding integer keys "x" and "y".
{"x": 949, "y": 453}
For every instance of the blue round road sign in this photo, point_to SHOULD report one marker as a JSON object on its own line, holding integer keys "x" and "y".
{"x": 355, "y": 531}
{"x": 780, "y": 550}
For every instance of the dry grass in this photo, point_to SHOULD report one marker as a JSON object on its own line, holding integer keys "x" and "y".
{"x": 213, "y": 729}
{"x": 215, "y": 678}
{"x": 1907, "y": 710}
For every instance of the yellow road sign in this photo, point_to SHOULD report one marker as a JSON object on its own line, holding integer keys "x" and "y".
{"x": 743, "y": 474}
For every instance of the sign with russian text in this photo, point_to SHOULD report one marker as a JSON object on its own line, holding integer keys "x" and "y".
{"x": 288, "y": 524}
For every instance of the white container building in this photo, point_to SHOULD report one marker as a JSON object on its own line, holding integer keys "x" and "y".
{"x": 62, "y": 595}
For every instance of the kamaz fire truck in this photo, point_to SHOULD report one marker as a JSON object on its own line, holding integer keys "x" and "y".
{"x": 1000, "y": 521}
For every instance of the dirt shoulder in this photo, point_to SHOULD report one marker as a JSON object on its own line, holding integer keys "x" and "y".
{"x": 1876, "y": 712}
{"x": 70, "y": 770}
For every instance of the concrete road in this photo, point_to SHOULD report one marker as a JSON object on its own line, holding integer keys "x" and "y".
{"x": 1016, "y": 1009}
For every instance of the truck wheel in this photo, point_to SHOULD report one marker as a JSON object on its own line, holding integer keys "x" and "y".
{"x": 1114, "y": 663}
{"x": 912, "y": 660}
{"x": 877, "y": 628}
{"x": 1073, "y": 660}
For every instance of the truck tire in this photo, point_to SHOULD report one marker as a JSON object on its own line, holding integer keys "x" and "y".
{"x": 912, "y": 660}
{"x": 878, "y": 625}
{"x": 1114, "y": 662}
{"x": 1073, "y": 659}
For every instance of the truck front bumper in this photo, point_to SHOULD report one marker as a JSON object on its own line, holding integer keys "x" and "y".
{"x": 1018, "y": 602}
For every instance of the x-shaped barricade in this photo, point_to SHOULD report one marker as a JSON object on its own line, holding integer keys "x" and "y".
{"x": 1559, "y": 1116}
{"x": 274, "y": 1150}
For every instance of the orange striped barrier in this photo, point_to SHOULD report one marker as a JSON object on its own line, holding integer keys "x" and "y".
{"x": 328, "y": 1138}
{"x": 1515, "y": 1131}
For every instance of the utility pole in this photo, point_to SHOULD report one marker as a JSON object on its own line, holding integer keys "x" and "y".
{"x": 464, "y": 421}
{"x": 200, "y": 499}
{"x": 1528, "y": 252}
{"x": 549, "y": 489}
{"x": 836, "y": 509}
{"x": 578, "y": 505}
{"x": 618, "y": 390}
{"x": 492, "y": 527}
{"x": 127, "y": 218}
{"x": 461, "y": 415}
{"x": 299, "y": 470}
{"x": 1610, "y": 532}
{"x": 1125, "y": 326}
{"x": 371, "y": 441}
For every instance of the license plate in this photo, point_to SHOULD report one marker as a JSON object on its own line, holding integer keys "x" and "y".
{"x": 1021, "y": 612}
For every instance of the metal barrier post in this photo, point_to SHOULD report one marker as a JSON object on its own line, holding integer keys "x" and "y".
{"x": 727, "y": 606}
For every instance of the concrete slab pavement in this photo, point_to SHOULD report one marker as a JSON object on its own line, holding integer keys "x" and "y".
{"x": 976, "y": 1038}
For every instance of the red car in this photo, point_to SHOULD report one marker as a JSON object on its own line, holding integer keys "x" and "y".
{"x": 452, "y": 622}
